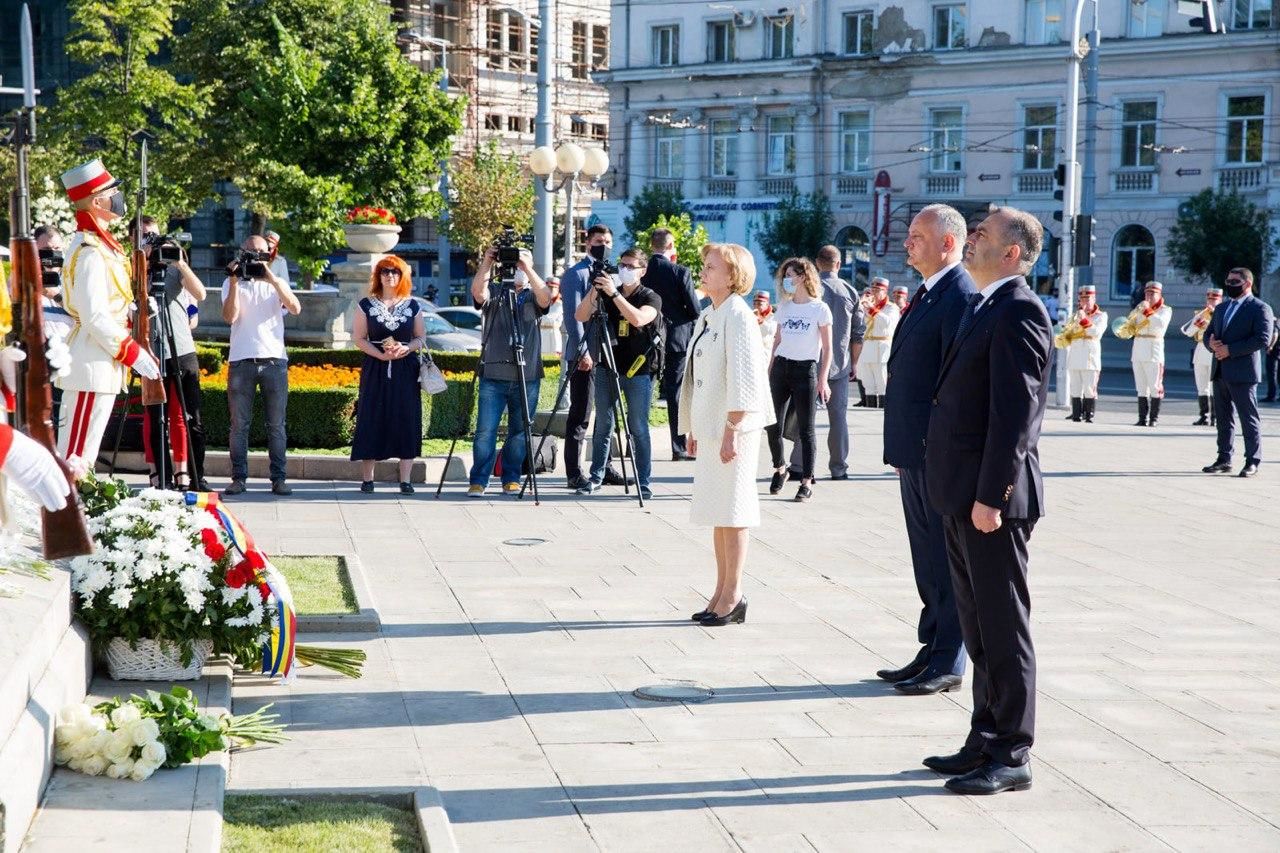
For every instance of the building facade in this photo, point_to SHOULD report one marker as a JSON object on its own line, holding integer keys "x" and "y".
{"x": 945, "y": 101}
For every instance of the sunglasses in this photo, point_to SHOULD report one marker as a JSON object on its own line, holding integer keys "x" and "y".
{"x": 392, "y": 273}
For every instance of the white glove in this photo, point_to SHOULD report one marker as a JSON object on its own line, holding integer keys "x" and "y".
{"x": 36, "y": 471}
{"x": 56, "y": 352}
{"x": 146, "y": 366}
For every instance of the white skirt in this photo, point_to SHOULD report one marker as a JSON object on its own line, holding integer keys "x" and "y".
{"x": 726, "y": 495}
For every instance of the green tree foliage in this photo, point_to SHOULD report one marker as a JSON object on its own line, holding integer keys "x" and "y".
{"x": 798, "y": 227}
{"x": 314, "y": 111}
{"x": 130, "y": 88}
{"x": 1216, "y": 231}
{"x": 653, "y": 201}
{"x": 490, "y": 190}
{"x": 689, "y": 239}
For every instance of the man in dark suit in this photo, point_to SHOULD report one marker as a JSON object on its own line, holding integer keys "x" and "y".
{"x": 983, "y": 470}
{"x": 935, "y": 243}
{"x": 1237, "y": 336}
{"x": 680, "y": 308}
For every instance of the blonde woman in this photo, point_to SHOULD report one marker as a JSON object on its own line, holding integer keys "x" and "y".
{"x": 724, "y": 403}
{"x": 799, "y": 367}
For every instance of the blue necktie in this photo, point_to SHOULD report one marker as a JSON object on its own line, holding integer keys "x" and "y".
{"x": 1231, "y": 312}
{"x": 969, "y": 313}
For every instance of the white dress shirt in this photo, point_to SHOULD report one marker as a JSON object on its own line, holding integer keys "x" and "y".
{"x": 936, "y": 277}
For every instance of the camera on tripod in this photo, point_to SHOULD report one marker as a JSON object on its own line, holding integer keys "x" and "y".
{"x": 600, "y": 264}
{"x": 509, "y": 245}
{"x": 51, "y": 262}
{"x": 164, "y": 249}
{"x": 249, "y": 264}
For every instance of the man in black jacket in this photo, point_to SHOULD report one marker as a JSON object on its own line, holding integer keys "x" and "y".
{"x": 680, "y": 308}
{"x": 983, "y": 469}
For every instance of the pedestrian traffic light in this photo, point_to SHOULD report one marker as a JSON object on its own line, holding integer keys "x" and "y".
{"x": 1082, "y": 240}
{"x": 1060, "y": 178}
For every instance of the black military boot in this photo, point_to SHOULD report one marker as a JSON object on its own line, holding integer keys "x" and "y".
{"x": 1204, "y": 412}
{"x": 1155, "y": 411}
{"x": 1077, "y": 409}
{"x": 1090, "y": 406}
{"x": 1144, "y": 405}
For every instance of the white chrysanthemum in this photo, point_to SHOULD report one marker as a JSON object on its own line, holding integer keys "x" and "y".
{"x": 121, "y": 596}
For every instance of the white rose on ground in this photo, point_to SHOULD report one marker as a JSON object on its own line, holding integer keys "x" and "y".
{"x": 76, "y": 764}
{"x": 61, "y": 755}
{"x": 94, "y": 765}
{"x": 75, "y": 713}
{"x": 154, "y": 753}
{"x": 120, "y": 747}
{"x": 142, "y": 771}
{"x": 143, "y": 731}
{"x": 121, "y": 769}
{"x": 125, "y": 714}
{"x": 100, "y": 741}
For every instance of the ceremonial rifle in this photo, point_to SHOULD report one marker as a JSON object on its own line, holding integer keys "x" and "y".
{"x": 64, "y": 532}
{"x": 152, "y": 389}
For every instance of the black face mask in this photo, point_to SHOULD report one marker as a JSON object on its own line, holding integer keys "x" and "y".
{"x": 1234, "y": 291}
{"x": 598, "y": 252}
{"x": 118, "y": 206}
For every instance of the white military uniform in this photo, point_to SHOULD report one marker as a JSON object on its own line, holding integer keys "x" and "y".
{"x": 1202, "y": 360}
{"x": 875, "y": 347}
{"x": 1084, "y": 356}
{"x": 1148, "y": 351}
{"x": 550, "y": 328}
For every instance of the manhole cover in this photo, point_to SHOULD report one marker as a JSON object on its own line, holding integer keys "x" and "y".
{"x": 528, "y": 540}
{"x": 676, "y": 691}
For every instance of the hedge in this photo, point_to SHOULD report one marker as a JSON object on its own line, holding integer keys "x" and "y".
{"x": 215, "y": 352}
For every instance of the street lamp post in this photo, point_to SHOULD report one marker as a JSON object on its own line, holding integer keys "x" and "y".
{"x": 571, "y": 161}
{"x": 443, "y": 255}
{"x": 1070, "y": 194}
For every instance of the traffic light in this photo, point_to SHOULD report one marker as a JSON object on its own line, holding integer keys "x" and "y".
{"x": 1059, "y": 179}
{"x": 1055, "y": 253}
{"x": 1207, "y": 19}
{"x": 1082, "y": 240}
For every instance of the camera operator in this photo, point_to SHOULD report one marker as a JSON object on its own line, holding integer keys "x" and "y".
{"x": 180, "y": 368}
{"x": 254, "y": 302}
{"x": 500, "y": 383}
{"x": 632, "y": 310}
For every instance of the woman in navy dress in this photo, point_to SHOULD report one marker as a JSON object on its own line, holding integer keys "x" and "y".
{"x": 389, "y": 329}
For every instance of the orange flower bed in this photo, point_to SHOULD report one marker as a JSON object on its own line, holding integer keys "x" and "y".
{"x": 302, "y": 376}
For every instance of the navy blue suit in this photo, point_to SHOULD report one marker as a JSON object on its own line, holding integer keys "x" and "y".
{"x": 983, "y": 446}
{"x": 1236, "y": 378}
{"x": 915, "y": 358}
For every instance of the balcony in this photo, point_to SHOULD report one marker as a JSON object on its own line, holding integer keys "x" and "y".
{"x": 944, "y": 185}
{"x": 722, "y": 187}
{"x": 673, "y": 186}
{"x": 1035, "y": 183}
{"x": 1133, "y": 181}
{"x": 778, "y": 186}
{"x": 849, "y": 185}
{"x": 1242, "y": 178}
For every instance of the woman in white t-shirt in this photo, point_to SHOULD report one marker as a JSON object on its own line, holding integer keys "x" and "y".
{"x": 799, "y": 367}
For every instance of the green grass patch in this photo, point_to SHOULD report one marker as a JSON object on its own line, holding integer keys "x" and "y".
{"x": 259, "y": 824}
{"x": 320, "y": 585}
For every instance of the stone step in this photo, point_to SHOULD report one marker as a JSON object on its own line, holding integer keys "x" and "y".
{"x": 298, "y": 466}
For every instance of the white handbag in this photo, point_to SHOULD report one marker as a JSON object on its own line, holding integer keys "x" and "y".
{"x": 430, "y": 378}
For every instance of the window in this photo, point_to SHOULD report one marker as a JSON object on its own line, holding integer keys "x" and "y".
{"x": 670, "y": 152}
{"x": 1138, "y": 134}
{"x": 516, "y": 124}
{"x": 720, "y": 41}
{"x": 599, "y": 47}
{"x": 599, "y": 131}
{"x": 577, "y": 127}
{"x": 855, "y": 255}
{"x": 946, "y": 140}
{"x": 724, "y": 148}
{"x": 1244, "y": 129}
{"x": 1044, "y": 21}
{"x": 515, "y": 43}
{"x": 494, "y": 32}
{"x": 1251, "y": 14}
{"x": 949, "y": 27}
{"x": 857, "y": 33}
{"x": 493, "y": 121}
{"x": 533, "y": 49}
{"x": 779, "y": 37}
{"x": 1133, "y": 262}
{"x": 1040, "y": 137}
{"x": 578, "y": 52}
{"x": 1146, "y": 20}
{"x": 666, "y": 45}
{"x": 781, "y": 146}
{"x": 855, "y": 141}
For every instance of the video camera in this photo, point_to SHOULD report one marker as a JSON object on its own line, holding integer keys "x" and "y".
{"x": 600, "y": 263}
{"x": 51, "y": 262}
{"x": 164, "y": 249}
{"x": 249, "y": 264}
{"x": 509, "y": 245}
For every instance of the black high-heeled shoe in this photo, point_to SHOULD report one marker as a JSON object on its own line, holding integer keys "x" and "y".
{"x": 737, "y": 615}
{"x": 700, "y": 615}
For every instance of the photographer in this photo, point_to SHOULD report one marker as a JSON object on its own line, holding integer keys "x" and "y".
{"x": 500, "y": 382}
{"x": 637, "y": 353}
{"x": 57, "y": 322}
{"x": 180, "y": 368}
{"x": 254, "y": 302}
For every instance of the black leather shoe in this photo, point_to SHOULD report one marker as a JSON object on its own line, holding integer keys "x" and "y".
{"x": 1249, "y": 469}
{"x": 237, "y": 487}
{"x": 926, "y": 684}
{"x": 992, "y": 778}
{"x": 700, "y": 615}
{"x": 839, "y": 476}
{"x": 775, "y": 484}
{"x": 738, "y": 614}
{"x": 681, "y": 457}
{"x": 613, "y": 478}
{"x": 964, "y": 761}
{"x": 280, "y": 487}
{"x": 575, "y": 483}
{"x": 911, "y": 670}
{"x": 1219, "y": 467}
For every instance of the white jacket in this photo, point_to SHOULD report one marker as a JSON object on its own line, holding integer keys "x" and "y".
{"x": 96, "y": 292}
{"x": 1148, "y": 343}
{"x": 725, "y": 372}
{"x": 1086, "y": 353}
{"x": 879, "y": 335}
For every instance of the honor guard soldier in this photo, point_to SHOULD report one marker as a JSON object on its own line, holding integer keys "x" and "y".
{"x": 900, "y": 296}
{"x": 1081, "y": 337}
{"x": 98, "y": 296}
{"x": 882, "y": 318}
{"x": 1147, "y": 325}
{"x": 1202, "y": 358}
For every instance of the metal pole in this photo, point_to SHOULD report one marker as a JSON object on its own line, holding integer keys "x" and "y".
{"x": 1070, "y": 200}
{"x": 543, "y": 238}
{"x": 569, "y": 186}
{"x": 1089, "y": 179}
{"x": 443, "y": 254}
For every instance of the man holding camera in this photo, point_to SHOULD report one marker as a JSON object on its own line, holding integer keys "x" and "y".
{"x": 254, "y": 302}
{"x": 632, "y": 310}
{"x": 673, "y": 284}
{"x": 501, "y": 382}
{"x": 98, "y": 297}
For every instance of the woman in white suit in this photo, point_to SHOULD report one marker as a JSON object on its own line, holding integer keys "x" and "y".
{"x": 724, "y": 406}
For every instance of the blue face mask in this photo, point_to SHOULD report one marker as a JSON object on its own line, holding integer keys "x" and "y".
{"x": 789, "y": 284}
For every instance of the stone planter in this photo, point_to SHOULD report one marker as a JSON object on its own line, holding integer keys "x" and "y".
{"x": 372, "y": 239}
{"x": 154, "y": 661}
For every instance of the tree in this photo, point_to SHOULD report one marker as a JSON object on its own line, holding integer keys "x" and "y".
{"x": 129, "y": 89}
{"x": 689, "y": 239}
{"x": 490, "y": 190}
{"x": 653, "y": 201}
{"x": 1217, "y": 231}
{"x": 798, "y": 227}
{"x": 314, "y": 111}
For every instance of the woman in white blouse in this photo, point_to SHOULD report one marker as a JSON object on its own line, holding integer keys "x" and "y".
{"x": 724, "y": 404}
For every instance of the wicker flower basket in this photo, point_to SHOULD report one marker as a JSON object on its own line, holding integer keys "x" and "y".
{"x": 154, "y": 661}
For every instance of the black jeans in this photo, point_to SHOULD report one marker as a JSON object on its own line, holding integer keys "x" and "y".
{"x": 794, "y": 385}
{"x": 1271, "y": 366}
{"x": 575, "y": 427}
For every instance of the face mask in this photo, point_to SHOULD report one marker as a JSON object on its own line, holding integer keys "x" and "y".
{"x": 1234, "y": 291}
{"x": 118, "y": 206}
{"x": 627, "y": 275}
{"x": 598, "y": 252}
{"x": 789, "y": 284}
